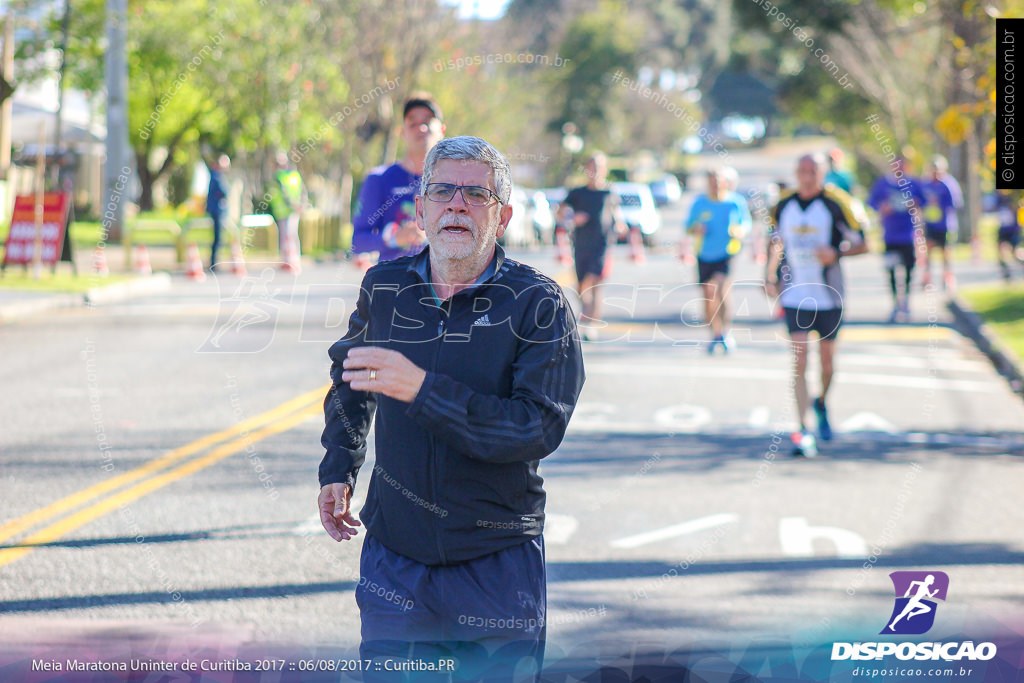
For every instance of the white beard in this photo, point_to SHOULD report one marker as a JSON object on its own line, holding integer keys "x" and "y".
{"x": 461, "y": 249}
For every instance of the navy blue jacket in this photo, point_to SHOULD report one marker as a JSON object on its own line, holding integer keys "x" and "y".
{"x": 456, "y": 470}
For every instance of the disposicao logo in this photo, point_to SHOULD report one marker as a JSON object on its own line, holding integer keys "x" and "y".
{"x": 916, "y": 592}
{"x": 914, "y": 614}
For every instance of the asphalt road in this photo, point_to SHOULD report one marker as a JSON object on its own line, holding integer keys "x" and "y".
{"x": 159, "y": 469}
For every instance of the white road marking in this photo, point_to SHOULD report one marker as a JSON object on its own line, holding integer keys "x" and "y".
{"x": 760, "y": 417}
{"x": 309, "y": 527}
{"x": 923, "y": 362}
{"x": 312, "y": 526}
{"x": 749, "y": 373}
{"x": 796, "y": 537}
{"x": 558, "y": 528}
{"x": 593, "y": 413}
{"x": 683, "y": 418}
{"x": 867, "y": 422}
{"x": 675, "y": 530}
{"x": 894, "y": 350}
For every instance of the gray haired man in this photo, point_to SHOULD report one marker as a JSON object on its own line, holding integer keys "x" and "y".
{"x": 469, "y": 365}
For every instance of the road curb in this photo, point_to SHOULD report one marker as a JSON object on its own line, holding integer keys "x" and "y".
{"x": 147, "y": 284}
{"x": 18, "y": 310}
{"x": 1004, "y": 360}
{"x": 104, "y": 294}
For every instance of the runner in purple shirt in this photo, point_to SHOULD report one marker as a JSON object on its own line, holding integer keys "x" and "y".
{"x": 942, "y": 197}
{"x": 385, "y": 221}
{"x": 898, "y": 200}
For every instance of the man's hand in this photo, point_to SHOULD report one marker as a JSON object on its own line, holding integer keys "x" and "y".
{"x": 336, "y": 513}
{"x": 368, "y": 368}
{"x": 826, "y": 255}
{"x": 698, "y": 229}
{"x": 409, "y": 234}
{"x": 771, "y": 288}
{"x": 579, "y": 218}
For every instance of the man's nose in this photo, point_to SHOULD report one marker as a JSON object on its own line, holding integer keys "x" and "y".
{"x": 458, "y": 203}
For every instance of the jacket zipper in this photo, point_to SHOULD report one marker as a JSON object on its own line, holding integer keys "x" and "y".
{"x": 435, "y": 484}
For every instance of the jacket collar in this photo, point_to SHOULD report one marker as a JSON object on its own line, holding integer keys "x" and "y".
{"x": 421, "y": 265}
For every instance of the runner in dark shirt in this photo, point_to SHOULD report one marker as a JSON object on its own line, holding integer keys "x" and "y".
{"x": 596, "y": 220}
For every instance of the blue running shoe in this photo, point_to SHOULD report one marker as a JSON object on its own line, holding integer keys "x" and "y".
{"x": 824, "y": 428}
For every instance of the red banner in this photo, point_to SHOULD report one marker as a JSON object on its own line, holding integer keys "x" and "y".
{"x": 21, "y": 240}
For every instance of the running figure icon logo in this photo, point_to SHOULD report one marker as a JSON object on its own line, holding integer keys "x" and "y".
{"x": 916, "y": 592}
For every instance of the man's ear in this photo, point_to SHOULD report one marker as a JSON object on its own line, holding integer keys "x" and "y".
{"x": 503, "y": 218}
{"x": 420, "y": 222}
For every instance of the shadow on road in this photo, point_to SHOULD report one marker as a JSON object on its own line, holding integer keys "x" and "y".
{"x": 931, "y": 555}
{"x": 282, "y": 590}
{"x": 925, "y": 554}
{"x": 613, "y": 454}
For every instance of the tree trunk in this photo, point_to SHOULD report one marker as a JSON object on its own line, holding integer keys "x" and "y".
{"x": 345, "y": 190}
{"x": 975, "y": 158}
{"x": 146, "y": 181}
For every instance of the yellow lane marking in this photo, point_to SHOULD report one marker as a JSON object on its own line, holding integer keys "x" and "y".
{"x": 75, "y": 500}
{"x": 102, "y": 507}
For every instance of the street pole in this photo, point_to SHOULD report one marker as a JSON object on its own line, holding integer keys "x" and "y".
{"x": 40, "y": 183}
{"x": 58, "y": 142}
{"x": 7, "y": 109}
{"x": 117, "y": 121}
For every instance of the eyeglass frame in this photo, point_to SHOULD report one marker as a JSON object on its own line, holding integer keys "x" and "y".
{"x": 459, "y": 189}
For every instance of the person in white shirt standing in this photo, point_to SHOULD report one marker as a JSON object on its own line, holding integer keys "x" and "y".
{"x": 813, "y": 229}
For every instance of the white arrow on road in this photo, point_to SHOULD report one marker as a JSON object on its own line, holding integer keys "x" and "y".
{"x": 797, "y": 539}
{"x": 675, "y": 530}
{"x": 868, "y": 422}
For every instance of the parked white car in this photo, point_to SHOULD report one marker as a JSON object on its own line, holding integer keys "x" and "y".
{"x": 638, "y": 209}
{"x": 666, "y": 190}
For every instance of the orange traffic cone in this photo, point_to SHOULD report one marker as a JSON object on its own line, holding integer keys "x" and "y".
{"x": 142, "y": 264}
{"x": 636, "y": 246}
{"x": 562, "y": 246}
{"x": 99, "y": 262}
{"x": 290, "y": 255}
{"x": 194, "y": 270}
{"x": 237, "y": 259}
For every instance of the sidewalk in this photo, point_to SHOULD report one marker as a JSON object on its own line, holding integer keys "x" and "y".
{"x": 18, "y": 304}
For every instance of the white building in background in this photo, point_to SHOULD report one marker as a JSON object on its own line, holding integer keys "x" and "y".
{"x": 34, "y": 118}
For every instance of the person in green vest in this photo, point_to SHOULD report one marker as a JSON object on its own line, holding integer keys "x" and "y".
{"x": 287, "y": 197}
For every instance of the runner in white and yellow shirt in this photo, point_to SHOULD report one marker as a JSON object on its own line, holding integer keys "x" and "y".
{"x": 813, "y": 228}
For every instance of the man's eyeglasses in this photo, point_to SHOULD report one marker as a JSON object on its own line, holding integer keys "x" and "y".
{"x": 474, "y": 195}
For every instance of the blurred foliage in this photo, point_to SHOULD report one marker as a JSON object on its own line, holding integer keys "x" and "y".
{"x": 325, "y": 79}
